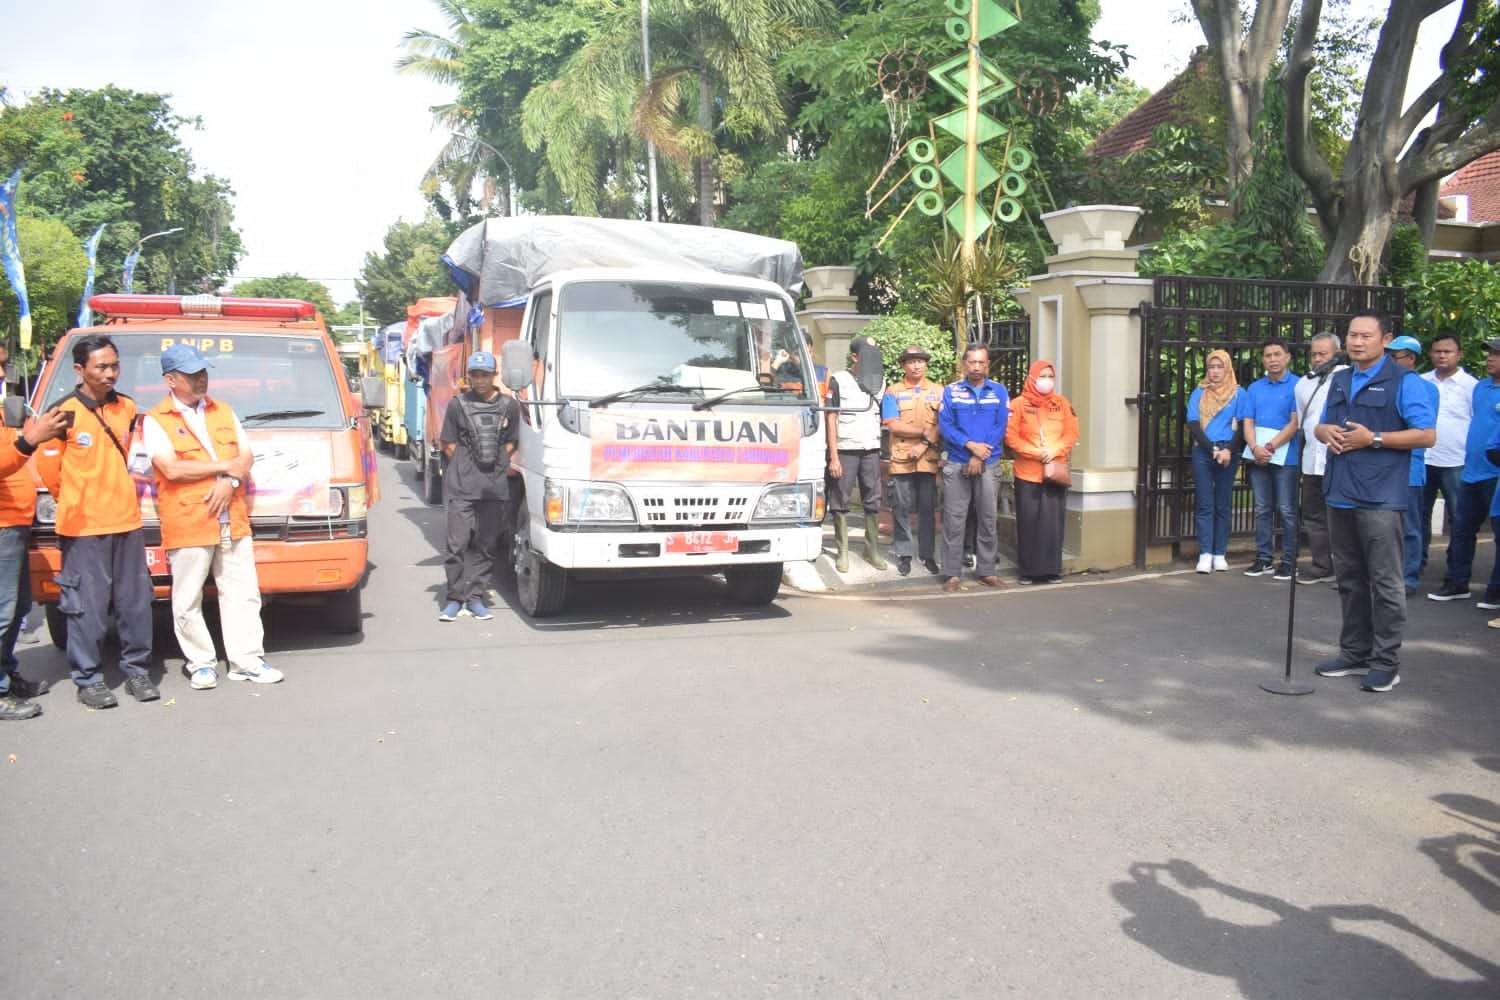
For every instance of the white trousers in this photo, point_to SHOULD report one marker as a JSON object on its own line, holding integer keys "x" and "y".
{"x": 232, "y": 564}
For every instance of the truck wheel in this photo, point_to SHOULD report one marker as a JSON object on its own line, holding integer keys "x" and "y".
{"x": 432, "y": 484}
{"x": 403, "y": 452}
{"x": 755, "y": 585}
{"x": 419, "y": 459}
{"x": 346, "y": 612}
{"x": 57, "y": 626}
{"x": 541, "y": 587}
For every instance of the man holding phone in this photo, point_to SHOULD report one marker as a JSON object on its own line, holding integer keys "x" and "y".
{"x": 17, "y": 508}
{"x": 99, "y": 527}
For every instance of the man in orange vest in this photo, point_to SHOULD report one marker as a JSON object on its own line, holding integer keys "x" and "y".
{"x": 202, "y": 460}
{"x": 99, "y": 528}
{"x": 17, "y": 507}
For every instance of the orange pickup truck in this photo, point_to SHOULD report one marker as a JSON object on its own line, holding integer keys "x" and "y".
{"x": 315, "y": 474}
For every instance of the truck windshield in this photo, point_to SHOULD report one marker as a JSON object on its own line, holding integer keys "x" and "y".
{"x": 614, "y": 336}
{"x": 269, "y": 381}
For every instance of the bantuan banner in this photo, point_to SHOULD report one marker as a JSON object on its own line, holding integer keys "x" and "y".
{"x": 694, "y": 447}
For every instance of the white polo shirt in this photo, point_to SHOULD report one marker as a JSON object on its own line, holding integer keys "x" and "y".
{"x": 1455, "y": 410}
{"x": 159, "y": 444}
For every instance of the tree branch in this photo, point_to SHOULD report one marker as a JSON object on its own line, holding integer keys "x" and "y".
{"x": 1436, "y": 160}
{"x": 1302, "y": 154}
{"x": 1458, "y": 44}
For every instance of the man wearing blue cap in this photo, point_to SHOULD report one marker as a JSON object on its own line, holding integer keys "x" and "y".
{"x": 478, "y": 437}
{"x": 1406, "y": 351}
{"x": 202, "y": 461}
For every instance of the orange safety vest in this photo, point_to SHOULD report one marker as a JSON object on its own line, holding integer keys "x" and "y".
{"x": 17, "y": 491}
{"x": 86, "y": 472}
{"x": 918, "y": 404}
{"x": 185, "y": 519}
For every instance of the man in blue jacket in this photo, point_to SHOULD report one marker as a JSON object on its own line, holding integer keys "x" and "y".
{"x": 972, "y": 422}
{"x": 1377, "y": 414}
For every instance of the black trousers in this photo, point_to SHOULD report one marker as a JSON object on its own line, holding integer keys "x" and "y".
{"x": 1315, "y": 520}
{"x": 1367, "y": 558}
{"x": 100, "y": 571}
{"x": 1040, "y": 514}
{"x": 473, "y": 539}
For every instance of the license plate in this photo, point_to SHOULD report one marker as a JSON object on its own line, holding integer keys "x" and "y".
{"x": 156, "y": 560}
{"x": 698, "y": 542}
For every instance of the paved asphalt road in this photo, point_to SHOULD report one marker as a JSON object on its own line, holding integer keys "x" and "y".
{"x": 1067, "y": 792}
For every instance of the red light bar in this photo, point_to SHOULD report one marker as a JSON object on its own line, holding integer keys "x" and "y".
{"x": 201, "y": 305}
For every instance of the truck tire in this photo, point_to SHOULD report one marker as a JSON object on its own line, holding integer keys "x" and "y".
{"x": 403, "y": 452}
{"x": 432, "y": 483}
{"x": 345, "y": 612}
{"x": 57, "y": 626}
{"x": 754, "y": 585}
{"x": 541, "y": 587}
{"x": 419, "y": 459}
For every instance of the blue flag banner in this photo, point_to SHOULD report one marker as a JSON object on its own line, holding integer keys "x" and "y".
{"x": 10, "y": 254}
{"x": 127, "y": 281}
{"x": 91, "y": 247}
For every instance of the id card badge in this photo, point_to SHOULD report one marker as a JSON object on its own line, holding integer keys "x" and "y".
{"x": 140, "y": 462}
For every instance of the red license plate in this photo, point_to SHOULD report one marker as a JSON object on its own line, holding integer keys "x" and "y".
{"x": 698, "y": 542}
{"x": 156, "y": 561}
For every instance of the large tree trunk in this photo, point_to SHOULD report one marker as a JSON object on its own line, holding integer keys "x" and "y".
{"x": 706, "y": 179}
{"x": 1358, "y": 242}
{"x": 1243, "y": 61}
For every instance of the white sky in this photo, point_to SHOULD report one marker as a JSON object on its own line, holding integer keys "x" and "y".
{"x": 322, "y": 141}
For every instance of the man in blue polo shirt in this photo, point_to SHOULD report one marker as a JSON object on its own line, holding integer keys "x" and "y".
{"x": 1476, "y": 491}
{"x": 1268, "y": 410}
{"x": 972, "y": 422}
{"x": 1378, "y": 413}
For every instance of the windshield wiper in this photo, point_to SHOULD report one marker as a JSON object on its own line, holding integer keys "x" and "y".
{"x": 715, "y": 400}
{"x": 660, "y": 385}
{"x": 283, "y": 414}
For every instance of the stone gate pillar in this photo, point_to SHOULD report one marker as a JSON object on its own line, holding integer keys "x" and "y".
{"x": 1080, "y": 321}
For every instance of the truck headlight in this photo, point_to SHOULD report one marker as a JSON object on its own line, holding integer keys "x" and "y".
{"x": 576, "y": 503}
{"x": 359, "y": 502}
{"x": 797, "y": 502}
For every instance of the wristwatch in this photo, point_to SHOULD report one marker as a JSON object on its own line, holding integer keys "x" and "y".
{"x": 232, "y": 481}
{"x": 1376, "y": 442}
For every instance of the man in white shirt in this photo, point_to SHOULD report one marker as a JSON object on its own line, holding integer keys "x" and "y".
{"x": 1311, "y": 395}
{"x": 202, "y": 460}
{"x": 1445, "y": 460}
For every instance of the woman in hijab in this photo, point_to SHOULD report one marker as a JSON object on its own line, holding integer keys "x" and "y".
{"x": 1040, "y": 434}
{"x": 1217, "y": 439}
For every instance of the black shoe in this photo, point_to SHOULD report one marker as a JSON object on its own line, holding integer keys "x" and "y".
{"x": 1313, "y": 576}
{"x": 903, "y": 565}
{"x": 22, "y": 688}
{"x": 1027, "y": 581}
{"x": 1380, "y": 681}
{"x": 1258, "y": 568}
{"x": 1283, "y": 572}
{"x": 1491, "y": 600}
{"x": 1051, "y": 579}
{"x": 141, "y": 688}
{"x": 14, "y": 708}
{"x": 1339, "y": 668}
{"x": 97, "y": 696}
{"x": 931, "y": 566}
{"x": 1450, "y": 591}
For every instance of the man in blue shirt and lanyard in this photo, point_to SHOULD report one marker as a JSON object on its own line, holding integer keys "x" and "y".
{"x": 1269, "y": 412}
{"x": 1378, "y": 413}
{"x": 1476, "y": 491}
{"x": 972, "y": 421}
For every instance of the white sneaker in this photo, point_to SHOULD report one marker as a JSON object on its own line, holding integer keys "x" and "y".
{"x": 263, "y": 674}
{"x": 203, "y": 678}
{"x": 1205, "y": 563}
{"x": 1221, "y": 565}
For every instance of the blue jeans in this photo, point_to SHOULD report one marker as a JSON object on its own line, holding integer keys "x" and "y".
{"x": 1214, "y": 486}
{"x": 1447, "y": 480}
{"x": 1473, "y": 510}
{"x": 1411, "y": 537}
{"x": 15, "y": 596}
{"x": 1275, "y": 486}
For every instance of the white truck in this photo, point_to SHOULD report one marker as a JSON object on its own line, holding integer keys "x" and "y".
{"x": 671, "y": 413}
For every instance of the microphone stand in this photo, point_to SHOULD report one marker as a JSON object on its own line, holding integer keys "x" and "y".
{"x": 1285, "y": 685}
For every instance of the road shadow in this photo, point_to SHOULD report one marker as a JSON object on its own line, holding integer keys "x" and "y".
{"x": 1283, "y": 950}
{"x": 1472, "y": 858}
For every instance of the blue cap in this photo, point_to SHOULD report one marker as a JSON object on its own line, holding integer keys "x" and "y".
{"x": 481, "y": 361}
{"x": 1405, "y": 343}
{"x": 184, "y": 358}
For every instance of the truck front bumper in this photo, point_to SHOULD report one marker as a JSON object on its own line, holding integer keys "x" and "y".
{"x": 640, "y": 550}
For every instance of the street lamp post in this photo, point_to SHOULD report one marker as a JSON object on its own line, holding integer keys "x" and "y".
{"x": 134, "y": 256}
{"x": 510, "y": 173}
{"x": 646, "y": 73}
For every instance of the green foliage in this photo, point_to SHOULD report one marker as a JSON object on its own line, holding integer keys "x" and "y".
{"x": 288, "y": 286}
{"x": 1457, "y": 297}
{"x": 56, "y": 266}
{"x": 113, "y": 156}
{"x": 895, "y": 334}
{"x": 1405, "y": 256}
{"x": 409, "y": 268}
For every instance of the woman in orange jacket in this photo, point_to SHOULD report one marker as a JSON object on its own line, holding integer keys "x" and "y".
{"x": 1040, "y": 434}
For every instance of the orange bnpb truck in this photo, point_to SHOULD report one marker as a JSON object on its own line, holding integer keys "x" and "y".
{"x": 315, "y": 473}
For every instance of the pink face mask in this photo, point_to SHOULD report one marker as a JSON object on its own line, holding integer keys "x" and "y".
{"x": 1045, "y": 386}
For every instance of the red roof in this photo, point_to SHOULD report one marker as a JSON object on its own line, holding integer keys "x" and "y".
{"x": 1479, "y": 180}
{"x": 1133, "y": 132}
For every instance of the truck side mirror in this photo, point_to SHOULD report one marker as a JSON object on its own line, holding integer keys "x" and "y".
{"x": 515, "y": 365}
{"x": 372, "y": 394}
{"x": 15, "y": 411}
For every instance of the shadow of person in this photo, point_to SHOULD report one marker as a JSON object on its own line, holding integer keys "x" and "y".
{"x": 1298, "y": 953}
{"x": 1470, "y": 859}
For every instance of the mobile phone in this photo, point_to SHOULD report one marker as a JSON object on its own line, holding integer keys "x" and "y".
{"x": 68, "y": 416}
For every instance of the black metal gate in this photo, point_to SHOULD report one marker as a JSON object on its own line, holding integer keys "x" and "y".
{"x": 1186, "y": 318}
{"x": 1009, "y": 341}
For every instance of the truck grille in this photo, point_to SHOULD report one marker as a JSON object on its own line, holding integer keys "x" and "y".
{"x": 670, "y": 507}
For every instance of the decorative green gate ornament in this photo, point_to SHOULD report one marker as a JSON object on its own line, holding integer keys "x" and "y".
{"x": 974, "y": 81}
